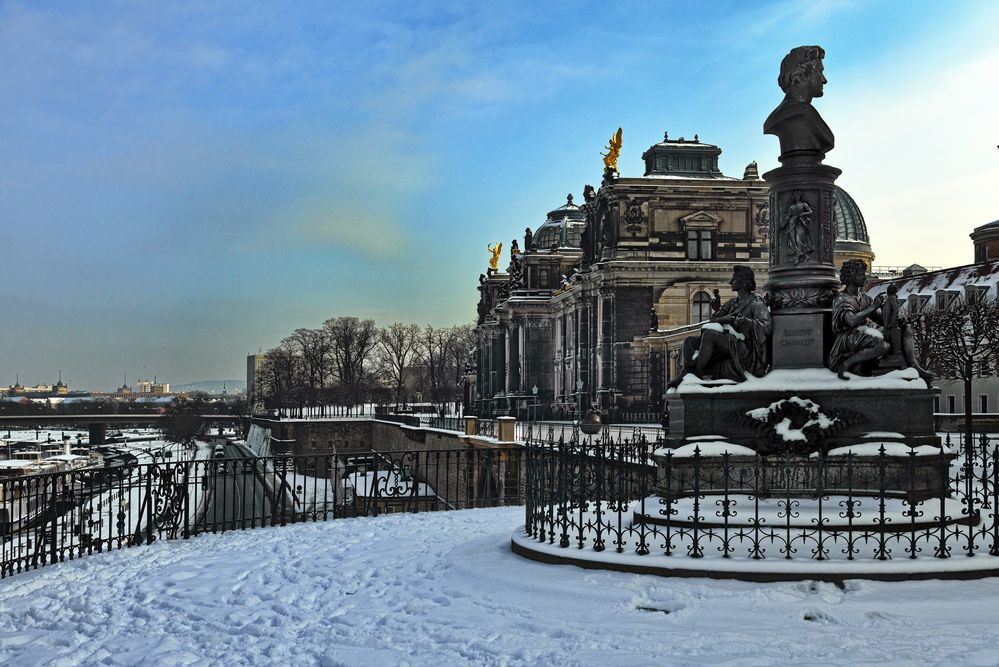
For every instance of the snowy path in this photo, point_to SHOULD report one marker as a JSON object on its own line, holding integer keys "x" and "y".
{"x": 444, "y": 589}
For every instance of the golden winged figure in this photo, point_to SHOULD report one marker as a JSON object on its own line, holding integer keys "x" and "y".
{"x": 613, "y": 151}
{"x": 495, "y": 254}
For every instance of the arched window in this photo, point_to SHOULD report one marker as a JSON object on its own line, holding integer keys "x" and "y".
{"x": 701, "y": 310}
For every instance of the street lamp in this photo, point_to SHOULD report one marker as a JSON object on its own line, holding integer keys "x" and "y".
{"x": 534, "y": 390}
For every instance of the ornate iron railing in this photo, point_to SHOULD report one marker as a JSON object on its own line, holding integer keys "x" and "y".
{"x": 638, "y": 498}
{"x": 53, "y": 517}
{"x": 485, "y": 427}
{"x": 447, "y": 423}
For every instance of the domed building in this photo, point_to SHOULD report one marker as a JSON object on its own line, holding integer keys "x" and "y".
{"x": 563, "y": 227}
{"x": 986, "y": 240}
{"x": 852, "y": 241}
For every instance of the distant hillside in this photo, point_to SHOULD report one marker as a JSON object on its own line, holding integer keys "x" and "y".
{"x": 211, "y": 386}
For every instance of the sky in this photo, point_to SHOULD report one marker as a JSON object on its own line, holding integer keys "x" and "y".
{"x": 182, "y": 184}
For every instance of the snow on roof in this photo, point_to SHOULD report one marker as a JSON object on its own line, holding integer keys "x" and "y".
{"x": 984, "y": 274}
{"x": 16, "y": 463}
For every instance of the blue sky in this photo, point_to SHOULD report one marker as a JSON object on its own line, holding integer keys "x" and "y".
{"x": 184, "y": 183}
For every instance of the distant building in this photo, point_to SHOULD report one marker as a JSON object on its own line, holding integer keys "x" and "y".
{"x": 152, "y": 387}
{"x": 919, "y": 289}
{"x": 253, "y": 364}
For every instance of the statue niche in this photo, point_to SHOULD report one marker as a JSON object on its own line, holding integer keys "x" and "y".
{"x": 735, "y": 341}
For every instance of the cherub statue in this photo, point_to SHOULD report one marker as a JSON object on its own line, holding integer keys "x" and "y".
{"x": 495, "y": 255}
{"x": 613, "y": 151}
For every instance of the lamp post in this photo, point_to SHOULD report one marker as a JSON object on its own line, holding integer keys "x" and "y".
{"x": 534, "y": 402}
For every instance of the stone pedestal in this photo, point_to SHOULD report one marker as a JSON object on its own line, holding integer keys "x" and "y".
{"x": 899, "y": 414}
{"x": 803, "y": 279}
{"x": 506, "y": 428}
{"x": 799, "y": 337}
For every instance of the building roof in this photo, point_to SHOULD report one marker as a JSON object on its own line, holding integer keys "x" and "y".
{"x": 687, "y": 158}
{"x": 850, "y": 224}
{"x": 956, "y": 279}
{"x": 563, "y": 226}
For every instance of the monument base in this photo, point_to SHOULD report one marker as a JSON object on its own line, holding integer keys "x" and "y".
{"x": 791, "y": 417}
{"x": 896, "y": 407}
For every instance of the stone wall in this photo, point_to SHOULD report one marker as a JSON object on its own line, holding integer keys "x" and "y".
{"x": 467, "y": 471}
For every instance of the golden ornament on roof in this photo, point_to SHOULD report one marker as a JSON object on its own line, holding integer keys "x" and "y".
{"x": 495, "y": 251}
{"x": 613, "y": 151}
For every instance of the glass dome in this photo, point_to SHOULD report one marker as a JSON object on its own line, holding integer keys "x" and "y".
{"x": 564, "y": 227}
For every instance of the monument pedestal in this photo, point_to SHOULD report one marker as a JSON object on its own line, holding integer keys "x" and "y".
{"x": 802, "y": 281}
{"x": 790, "y": 418}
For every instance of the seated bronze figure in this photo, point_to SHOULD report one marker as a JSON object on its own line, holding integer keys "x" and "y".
{"x": 734, "y": 342}
{"x": 860, "y": 323}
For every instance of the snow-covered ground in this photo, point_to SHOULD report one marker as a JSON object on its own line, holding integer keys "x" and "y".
{"x": 444, "y": 589}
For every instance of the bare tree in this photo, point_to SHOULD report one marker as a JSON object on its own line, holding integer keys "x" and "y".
{"x": 443, "y": 353}
{"x": 312, "y": 348}
{"x": 351, "y": 343}
{"x": 960, "y": 341}
{"x": 278, "y": 378}
{"x": 395, "y": 353}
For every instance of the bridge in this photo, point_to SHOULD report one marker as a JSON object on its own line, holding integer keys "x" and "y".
{"x": 98, "y": 423}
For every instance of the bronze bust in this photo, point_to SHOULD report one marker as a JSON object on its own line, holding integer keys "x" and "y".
{"x": 804, "y": 136}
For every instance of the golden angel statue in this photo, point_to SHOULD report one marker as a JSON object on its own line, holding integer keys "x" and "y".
{"x": 494, "y": 258}
{"x": 613, "y": 151}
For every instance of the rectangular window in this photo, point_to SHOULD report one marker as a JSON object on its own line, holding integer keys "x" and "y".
{"x": 951, "y": 404}
{"x": 983, "y": 403}
{"x": 936, "y": 404}
{"x": 700, "y": 244}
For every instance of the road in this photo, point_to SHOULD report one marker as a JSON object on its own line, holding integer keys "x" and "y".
{"x": 239, "y": 498}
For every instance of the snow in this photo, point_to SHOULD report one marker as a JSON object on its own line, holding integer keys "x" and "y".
{"x": 445, "y": 589}
{"x": 804, "y": 379}
{"x": 891, "y": 449}
{"x": 717, "y": 448}
{"x": 783, "y": 427}
{"x": 871, "y": 331}
{"x": 714, "y": 326}
{"x": 386, "y": 484}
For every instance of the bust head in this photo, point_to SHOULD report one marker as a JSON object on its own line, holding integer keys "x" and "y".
{"x": 853, "y": 272}
{"x": 801, "y": 73}
{"x": 742, "y": 278}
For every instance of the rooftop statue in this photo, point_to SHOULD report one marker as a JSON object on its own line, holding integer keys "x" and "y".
{"x": 494, "y": 258}
{"x": 859, "y": 323}
{"x": 804, "y": 136}
{"x": 613, "y": 151}
{"x": 734, "y": 342}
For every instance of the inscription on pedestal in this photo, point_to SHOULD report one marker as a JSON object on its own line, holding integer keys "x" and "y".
{"x": 798, "y": 340}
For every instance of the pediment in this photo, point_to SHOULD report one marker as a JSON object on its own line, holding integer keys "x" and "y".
{"x": 700, "y": 220}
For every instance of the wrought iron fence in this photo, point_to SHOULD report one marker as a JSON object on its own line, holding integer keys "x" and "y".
{"x": 53, "y": 517}
{"x": 447, "y": 423}
{"x": 485, "y": 428}
{"x": 636, "y": 497}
